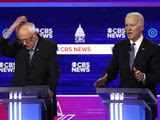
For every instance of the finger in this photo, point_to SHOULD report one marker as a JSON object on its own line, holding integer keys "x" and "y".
{"x": 99, "y": 82}
{"x": 139, "y": 77}
{"x": 137, "y": 72}
{"x": 134, "y": 69}
{"x": 96, "y": 84}
{"x": 21, "y": 19}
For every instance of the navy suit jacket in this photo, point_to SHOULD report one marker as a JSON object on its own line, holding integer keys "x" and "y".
{"x": 42, "y": 70}
{"x": 147, "y": 61}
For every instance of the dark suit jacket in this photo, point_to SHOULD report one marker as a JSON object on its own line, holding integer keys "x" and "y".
{"x": 147, "y": 61}
{"x": 42, "y": 70}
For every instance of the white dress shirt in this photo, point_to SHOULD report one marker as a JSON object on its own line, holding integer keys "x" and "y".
{"x": 138, "y": 43}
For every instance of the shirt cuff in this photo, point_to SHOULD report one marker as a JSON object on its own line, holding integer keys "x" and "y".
{"x": 144, "y": 79}
{"x": 6, "y": 35}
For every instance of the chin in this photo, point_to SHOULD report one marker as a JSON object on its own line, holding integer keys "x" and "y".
{"x": 129, "y": 38}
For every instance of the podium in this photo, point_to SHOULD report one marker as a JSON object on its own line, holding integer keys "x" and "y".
{"x": 128, "y": 103}
{"x": 25, "y": 103}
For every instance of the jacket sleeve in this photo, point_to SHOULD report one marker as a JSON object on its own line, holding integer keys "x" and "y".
{"x": 7, "y": 49}
{"x": 153, "y": 74}
{"x": 53, "y": 68}
{"x": 113, "y": 67}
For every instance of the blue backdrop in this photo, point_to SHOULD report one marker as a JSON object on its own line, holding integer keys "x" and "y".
{"x": 100, "y": 25}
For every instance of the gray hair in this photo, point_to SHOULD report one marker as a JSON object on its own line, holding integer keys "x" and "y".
{"x": 141, "y": 18}
{"x": 29, "y": 26}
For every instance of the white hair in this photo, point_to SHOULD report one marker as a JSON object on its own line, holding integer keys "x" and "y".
{"x": 29, "y": 26}
{"x": 141, "y": 18}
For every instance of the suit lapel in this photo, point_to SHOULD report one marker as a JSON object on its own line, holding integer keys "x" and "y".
{"x": 127, "y": 50}
{"x": 36, "y": 52}
{"x": 26, "y": 55}
{"x": 140, "y": 54}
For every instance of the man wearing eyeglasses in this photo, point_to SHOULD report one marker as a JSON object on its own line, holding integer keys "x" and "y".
{"x": 35, "y": 58}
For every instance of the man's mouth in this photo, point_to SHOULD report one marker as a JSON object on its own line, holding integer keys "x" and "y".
{"x": 129, "y": 33}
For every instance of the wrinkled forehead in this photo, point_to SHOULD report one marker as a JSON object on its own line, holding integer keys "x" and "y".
{"x": 132, "y": 19}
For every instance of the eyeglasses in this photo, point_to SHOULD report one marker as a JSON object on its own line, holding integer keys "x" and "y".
{"x": 26, "y": 40}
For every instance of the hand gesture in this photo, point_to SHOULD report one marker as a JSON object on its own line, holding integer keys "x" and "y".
{"x": 51, "y": 93}
{"x": 138, "y": 74}
{"x": 20, "y": 20}
{"x": 100, "y": 82}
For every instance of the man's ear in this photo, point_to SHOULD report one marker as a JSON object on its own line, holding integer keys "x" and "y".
{"x": 35, "y": 36}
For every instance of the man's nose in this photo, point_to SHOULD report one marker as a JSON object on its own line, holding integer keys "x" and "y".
{"x": 129, "y": 28}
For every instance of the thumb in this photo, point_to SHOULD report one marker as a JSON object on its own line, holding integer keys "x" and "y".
{"x": 134, "y": 69}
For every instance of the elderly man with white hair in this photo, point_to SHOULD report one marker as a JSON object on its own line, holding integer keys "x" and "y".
{"x": 35, "y": 59}
{"x": 137, "y": 59}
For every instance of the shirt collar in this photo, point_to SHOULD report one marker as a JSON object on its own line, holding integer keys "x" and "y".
{"x": 139, "y": 41}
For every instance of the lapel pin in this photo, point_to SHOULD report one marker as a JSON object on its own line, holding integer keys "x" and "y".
{"x": 37, "y": 49}
{"x": 142, "y": 48}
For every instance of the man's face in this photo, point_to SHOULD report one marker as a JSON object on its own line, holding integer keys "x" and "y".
{"x": 27, "y": 39}
{"x": 133, "y": 27}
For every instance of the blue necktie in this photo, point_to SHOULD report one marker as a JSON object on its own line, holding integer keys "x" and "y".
{"x": 131, "y": 58}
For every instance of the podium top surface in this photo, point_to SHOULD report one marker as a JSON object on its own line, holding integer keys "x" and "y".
{"x": 26, "y": 92}
{"x": 123, "y": 90}
{"x": 33, "y": 88}
{"x": 128, "y": 94}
